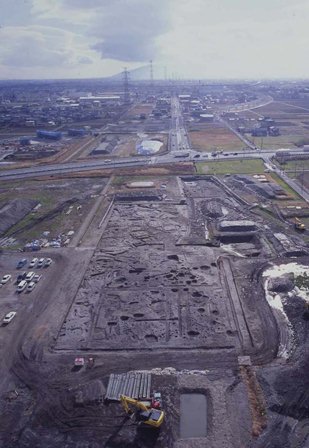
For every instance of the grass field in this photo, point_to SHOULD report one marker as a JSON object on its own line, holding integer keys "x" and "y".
{"x": 295, "y": 166}
{"x": 215, "y": 137}
{"x": 254, "y": 166}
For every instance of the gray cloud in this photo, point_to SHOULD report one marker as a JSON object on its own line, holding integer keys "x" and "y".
{"x": 86, "y": 4}
{"x": 128, "y": 48}
{"x": 34, "y": 46}
{"x": 85, "y": 60}
{"x": 126, "y": 30}
{"x": 38, "y": 57}
{"x": 15, "y": 12}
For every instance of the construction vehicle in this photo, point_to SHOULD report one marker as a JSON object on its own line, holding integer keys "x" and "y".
{"x": 144, "y": 414}
{"x": 299, "y": 225}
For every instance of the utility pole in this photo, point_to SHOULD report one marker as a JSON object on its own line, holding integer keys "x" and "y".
{"x": 126, "y": 86}
{"x": 151, "y": 74}
{"x": 302, "y": 180}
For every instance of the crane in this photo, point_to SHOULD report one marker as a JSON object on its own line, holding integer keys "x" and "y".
{"x": 144, "y": 414}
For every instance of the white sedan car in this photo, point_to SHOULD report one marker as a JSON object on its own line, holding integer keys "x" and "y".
{"x": 30, "y": 286}
{"x": 9, "y": 317}
{"x": 6, "y": 278}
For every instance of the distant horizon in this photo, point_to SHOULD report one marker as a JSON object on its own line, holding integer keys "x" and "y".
{"x": 109, "y": 78}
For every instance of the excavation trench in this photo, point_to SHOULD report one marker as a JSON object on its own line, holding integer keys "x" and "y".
{"x": 193, "y": 415}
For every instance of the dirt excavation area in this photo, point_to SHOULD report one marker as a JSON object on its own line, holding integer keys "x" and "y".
{"x": 179, "y": 287}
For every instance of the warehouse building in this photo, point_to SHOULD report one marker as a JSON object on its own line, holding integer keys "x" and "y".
{"x": 50, "y": 135}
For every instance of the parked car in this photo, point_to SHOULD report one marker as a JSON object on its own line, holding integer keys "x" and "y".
{"x": 40, "y": 262}
{"x": 21, "y": 286}
{"x": 9, "y": 317}
{"x": 29, "y": 276}
{"x": 30, "y": 286}
{"x": 33, "y": 262}
{"x": 21, "y": 263}
{"x": 37, "y": 278}
{"x": 5, "y": 279}
{"x": 48, "y": 262}
{"x": 21, "y": 277}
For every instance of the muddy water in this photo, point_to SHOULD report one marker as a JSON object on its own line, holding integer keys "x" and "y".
{"x": 193, "y": 415}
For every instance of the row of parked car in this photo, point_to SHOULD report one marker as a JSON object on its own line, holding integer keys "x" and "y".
{"x": 34, "y": 263}
{"x": 25, "y": 281}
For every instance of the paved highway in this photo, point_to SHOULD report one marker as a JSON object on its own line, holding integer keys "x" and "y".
{"x": 22, "y": 173}
{"x": 172, "y": 157}
{"x": 178, "y": 134}
{"x": 59, "y": 168}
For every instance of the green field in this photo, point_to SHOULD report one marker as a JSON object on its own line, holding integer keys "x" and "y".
{"x": 295, "y": 166}
{"x": 252, "y": 166}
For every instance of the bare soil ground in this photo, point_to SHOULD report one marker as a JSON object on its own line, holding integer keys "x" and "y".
{"x": 139, "y": 109}
{"x": 214, "y": 137}
{"x": 154, "y": 285}
{"x": 64, "y": 205}
{"x": 292, "y": 120}
{"x": 127, "y": 144}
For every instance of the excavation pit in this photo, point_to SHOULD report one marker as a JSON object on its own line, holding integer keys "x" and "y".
{"x": 143, "y": 290}
{"x": 193, "y": 415}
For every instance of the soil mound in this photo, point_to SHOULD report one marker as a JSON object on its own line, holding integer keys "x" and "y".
{"x": 284, "y": 283}
{"x": 14, "y": 211}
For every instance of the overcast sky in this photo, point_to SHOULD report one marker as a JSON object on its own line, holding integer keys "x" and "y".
{"x": 192, "y": 38}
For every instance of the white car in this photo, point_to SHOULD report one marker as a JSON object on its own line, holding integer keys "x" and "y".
{"x": 48, "y": 262}
{"x": 37, "y": 278}
{"x": 21, "y": 286}
{"x": 40, "y": 262}
{"x": 30, "y": 286}
{"x": 8, "y": 317}
{"x": 6, "y": 278}
{"x": 33, "y": 262}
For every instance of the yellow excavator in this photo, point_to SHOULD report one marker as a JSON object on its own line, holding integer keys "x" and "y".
{"x": 299, "y": 225}
{"x": 144, "y": 413}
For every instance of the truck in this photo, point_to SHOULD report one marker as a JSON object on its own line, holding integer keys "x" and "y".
{"x": 181, "y": 154}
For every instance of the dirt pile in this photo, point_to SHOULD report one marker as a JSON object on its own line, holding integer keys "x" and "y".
{"x": 284, "y": 283}
{"x": 14, "y": 211}
{"x": 256, "y": 400}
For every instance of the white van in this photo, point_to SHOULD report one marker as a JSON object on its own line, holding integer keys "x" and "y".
{"x": 29, "y": 276}
{"x": 21, "y": 286}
